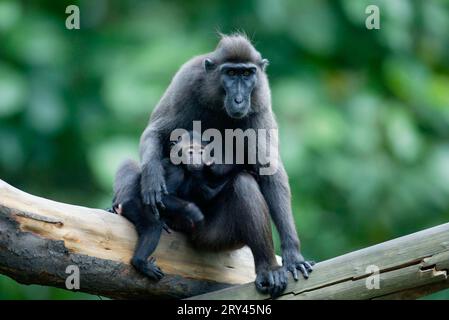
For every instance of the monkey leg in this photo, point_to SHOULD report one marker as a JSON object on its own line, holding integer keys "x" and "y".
{"x": 127, "y": 202}
{"x": 149, "y": 236}
{"x": 240, "y": 217}
{"x": 149, "y": 233}
{"x": 149, "y": 230}
{"x": 182, "y": 215}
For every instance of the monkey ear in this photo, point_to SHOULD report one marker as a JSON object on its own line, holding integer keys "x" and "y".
{"x": 209, "y": 65}
{"x": 264, "y": 64}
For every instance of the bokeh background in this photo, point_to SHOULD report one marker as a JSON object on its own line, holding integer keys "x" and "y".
{"x": 363, "y": 114}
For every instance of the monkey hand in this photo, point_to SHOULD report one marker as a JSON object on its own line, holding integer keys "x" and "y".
{"x": 272, "y": 281}
{"x": 293, "y": 261}
{"x": 153, "y": 187}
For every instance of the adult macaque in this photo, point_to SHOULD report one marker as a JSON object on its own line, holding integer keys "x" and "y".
{"x": 228, "y": 89}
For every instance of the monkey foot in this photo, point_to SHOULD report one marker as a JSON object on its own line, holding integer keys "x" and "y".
{"x": 149, "y": 268}
{"x": 117, "y": 209}
{"x": 272, "y": 282}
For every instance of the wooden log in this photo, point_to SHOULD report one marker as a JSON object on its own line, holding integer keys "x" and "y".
{"x": 409, "y": 267}
{"x": 39, "y": 238}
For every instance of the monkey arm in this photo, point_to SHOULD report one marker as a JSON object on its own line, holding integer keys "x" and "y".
{"x": 276, "y": 191}
{"x": 151, "y": 145}
{"x": 152, "y": 179}
{"x": 274, "y": 185}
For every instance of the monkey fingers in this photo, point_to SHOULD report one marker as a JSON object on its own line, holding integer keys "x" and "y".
{"x": 117, "y": 209}
{"x": 153, "y": 198}
{"x": 263, "y": 283}
{"x": 305, "y": 267}
{"x": 164, "y": 188}
{"x": 151, "y": 270}
{"x": 149, "y": 198}
{"x": 293, "y": 261}
{"x": 149, "y": 194}
{"x": 294, "y": 272}
{"x": 271, "y": 282}
{"x": 159, "y": 202}
{"x": 303, "y": 271}
{"x": 155, "y": 211}
{"x": 277, "y": 289}
{"x": 110, "y": 210}
{"x": 309, "y": 265}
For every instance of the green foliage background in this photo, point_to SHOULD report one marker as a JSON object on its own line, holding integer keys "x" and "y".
{"x": 363, "y": 114}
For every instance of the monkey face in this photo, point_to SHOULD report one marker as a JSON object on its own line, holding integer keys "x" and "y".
{"x": 193, "y": 157}
{"x": 238, "y": 81}
{"x": 190, "y": 148}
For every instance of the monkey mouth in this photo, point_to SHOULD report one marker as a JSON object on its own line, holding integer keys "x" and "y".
{"x": 237, "y": 114}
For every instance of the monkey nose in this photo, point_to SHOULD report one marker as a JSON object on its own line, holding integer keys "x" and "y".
{"x": 238, "y": 100}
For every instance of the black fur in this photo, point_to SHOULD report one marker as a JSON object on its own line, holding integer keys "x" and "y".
{"x": 187, "y": 186}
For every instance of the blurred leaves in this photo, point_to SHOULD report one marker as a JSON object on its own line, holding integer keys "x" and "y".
{"x": 363, "y": 115}
{"x": 10, "y": 13}
{"x": 12, "y": 91}
{"x": 105, "y": 158}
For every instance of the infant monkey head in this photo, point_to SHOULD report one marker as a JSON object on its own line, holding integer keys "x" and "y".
{"x": 191, "y": 149}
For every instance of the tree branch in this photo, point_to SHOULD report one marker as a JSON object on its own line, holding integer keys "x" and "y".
{"x": 39, "y": 238}
{"x": 408, "y": 267}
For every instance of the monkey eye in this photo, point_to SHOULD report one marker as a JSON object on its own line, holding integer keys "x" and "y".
{"x": 231, "y": 72}
{"x": 246, "y": 73}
